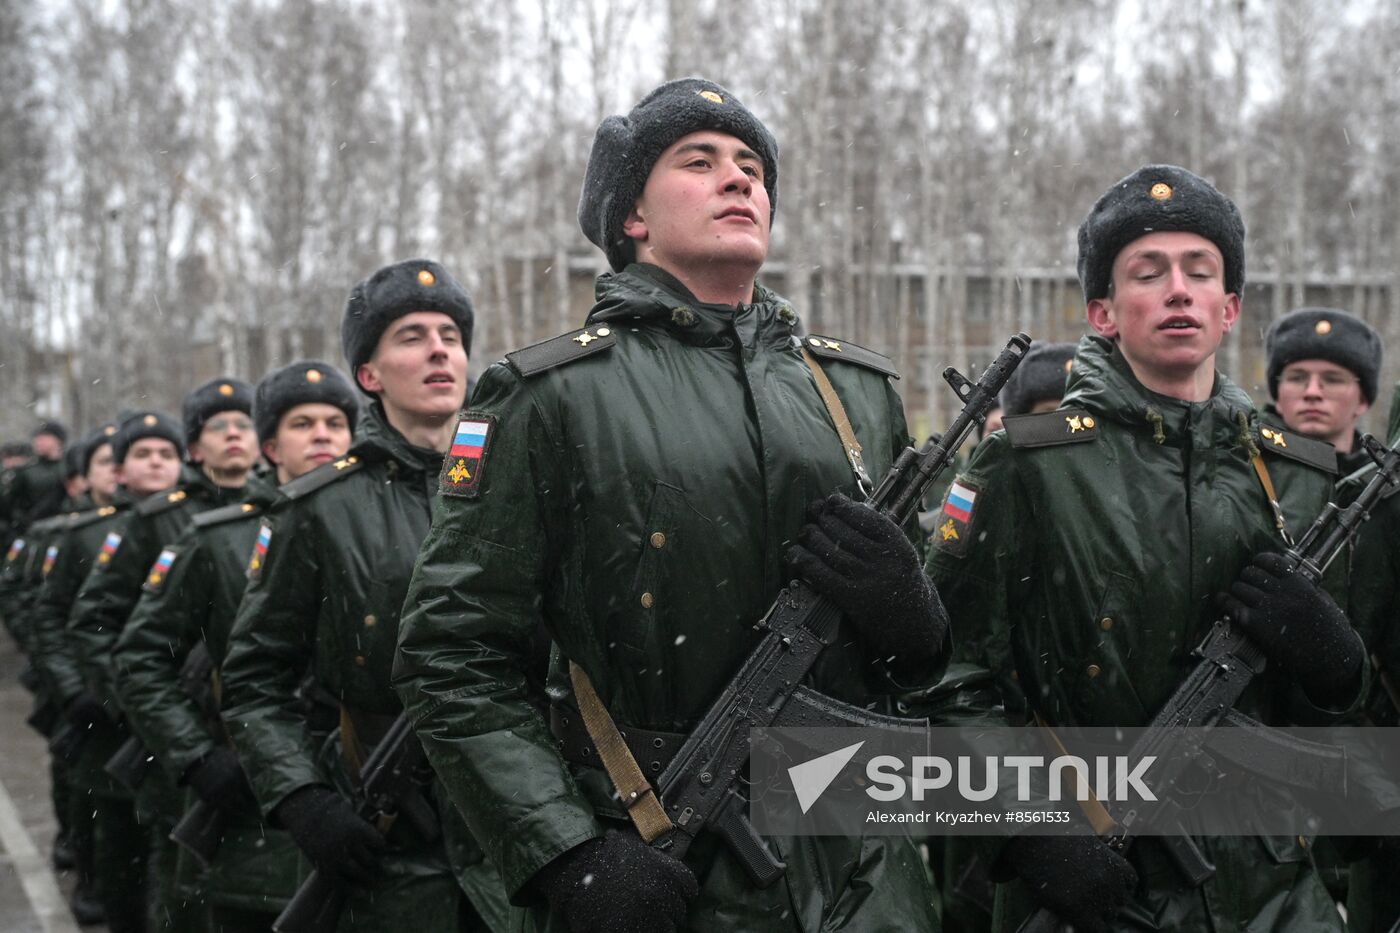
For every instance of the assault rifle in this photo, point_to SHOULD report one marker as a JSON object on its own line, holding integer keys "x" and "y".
{"x": 130, "y": 765}
{"x": 393, "y": 778}
{"x": 700, "y": 788}
{"x": 1206, "y": 699}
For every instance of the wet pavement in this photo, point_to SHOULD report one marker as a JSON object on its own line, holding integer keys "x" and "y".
{"x": 33, "y": 897}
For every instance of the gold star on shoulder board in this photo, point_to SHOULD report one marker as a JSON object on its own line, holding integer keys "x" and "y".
{"x": 1075, "y": 423}
{"x": 832, "y": 345}
{"x": 584, "y": 339}
{"x": 1275, "y": 437}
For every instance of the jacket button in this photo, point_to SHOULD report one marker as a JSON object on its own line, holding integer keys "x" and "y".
{"x": 1106, "y": 623}
{"x": 1093, "y": 670}
{"x": 658, "y": 540}
{"x": 648, "y": 600}
{"x": 371, "y": 621}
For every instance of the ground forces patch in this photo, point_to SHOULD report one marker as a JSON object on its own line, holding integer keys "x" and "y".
{"x": 952, "y": 531}
{"x": 255, "y": 563}
{"x": 159, "y": 571}
{"x": 109, "y": 547}
{"x": 50, "y": 556}
{"x": 466, "y": 459}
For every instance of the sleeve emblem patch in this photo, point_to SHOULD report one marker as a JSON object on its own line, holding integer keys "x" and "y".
{"x": 159, "y": 570}
{"x": 50, "y": 556}
{"x": 255, "y": 563}
{"x": 109, "y": 547}
{"x": 952, "y": 533}
{"x": 466, "y": 458}
{"x": 16, "y": 548}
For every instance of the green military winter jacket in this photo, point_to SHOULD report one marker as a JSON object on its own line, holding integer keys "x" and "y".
{"x": 1081, "y": 563}
{"x": 256, "y": 867}
{"x": 324, "y": 599}
{"x": 640, "y": 483}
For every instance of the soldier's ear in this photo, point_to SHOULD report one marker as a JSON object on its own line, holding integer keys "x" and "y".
{"x": 635, "y": 226}
{"x": 269, "y": 450}
{"x": 368, "y": 379}
{"x": 1232, "y": 310}
{"x": 1100, "y": 314}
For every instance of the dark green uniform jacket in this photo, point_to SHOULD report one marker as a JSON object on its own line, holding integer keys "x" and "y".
{"x": 111, "y": 591}
{"x": 1098, "y": 538}
{"x": 256, "y": 867}
{"x": 35, "y": 492}
{"x": 325, "y": 598}
{"x": 639, "y": 487}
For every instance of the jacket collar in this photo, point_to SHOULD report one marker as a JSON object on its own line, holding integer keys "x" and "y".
{"x": 377, "y": 441}
{"x": 643, "y": 293}
{"x": 1102, "y": 382}
{"x": 198, "y": 485}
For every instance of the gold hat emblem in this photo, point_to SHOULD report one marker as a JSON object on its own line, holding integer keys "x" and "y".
{"x": 1161, "y": 191}
{"x": 1069, "y": 364}
{"x": 149, "y": 421}
{"x": 711, "y": 96}
{"x": 225, "y": 390}
{"x": 426, "y": 277}
{"x": 1323, "y": 326}
{"x": 109, "y": 430}
{"x": 313, "y": 375}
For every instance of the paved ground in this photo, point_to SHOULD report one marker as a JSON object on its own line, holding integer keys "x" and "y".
{"x": 32, "y": 898}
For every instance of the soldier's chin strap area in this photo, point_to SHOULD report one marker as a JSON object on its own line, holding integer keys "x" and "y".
{"x": 843, "y": 425}
{"x": 633, "y": 789}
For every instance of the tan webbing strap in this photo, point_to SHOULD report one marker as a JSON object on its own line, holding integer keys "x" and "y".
{"x": 352, "y": 751}
{"x": 1262, "y": 472}
{"x": 842, "y": 422}
{"x": 633, "y": 789}
{"x": 1092, "y": 809}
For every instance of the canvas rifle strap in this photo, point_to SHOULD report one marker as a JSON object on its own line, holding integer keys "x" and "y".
{"x": 1094, "y": 811}
{"x": 842, "y": 422}
{"x": 633, "y": 789}
{"x": 1262, "y": 471}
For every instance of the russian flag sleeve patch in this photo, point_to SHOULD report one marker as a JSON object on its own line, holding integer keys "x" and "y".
{"x": 466, "y": 458}
{"x": 952, "y": 532}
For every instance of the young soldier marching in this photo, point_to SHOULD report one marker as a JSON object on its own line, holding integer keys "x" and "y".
{"x": 304, "y": 415}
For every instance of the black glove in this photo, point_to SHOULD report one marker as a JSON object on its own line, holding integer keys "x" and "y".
{"x": 862, "y": 562}
{"x": 617, "y": 884}
{"x": 1298, "y": 626}
{"x": 1079, "y": 878}
{"x": 218, "y": 778}
{"x": 85, "y": 711}
{"x": 334, "y": 837}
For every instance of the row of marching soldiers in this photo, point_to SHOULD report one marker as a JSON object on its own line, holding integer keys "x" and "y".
{"x": 650, "y": 487}
{"x": 124, "y": 598}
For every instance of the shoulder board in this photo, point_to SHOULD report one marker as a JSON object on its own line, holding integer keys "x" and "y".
{"x": 1051, "y": 428}
{"x": 1319, "y": 454}
{"x": 161, "y": 502}
{"x": 556, "y": 351}
{"x": 323, "y": 475}
{"x": 83, "y": 519}
{"x": 829, "y": 348}
{"x": 51, "y": 524}
{"x": 226, "y": 513}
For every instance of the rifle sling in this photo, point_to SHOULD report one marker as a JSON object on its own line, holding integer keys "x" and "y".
{"x": 837, "y": 411}
{"x": 1103, "y": 824}
{"x": 633, "y": 789}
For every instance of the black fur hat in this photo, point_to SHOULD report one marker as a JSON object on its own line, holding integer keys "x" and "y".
{"x": 1325, "y": 334}
{"x": 394, "y": 291}
{"x": 216, "y": 395}
{"x": 145, "y": 424}
{"x": 102, "y": 434}
{"x": 1154, "y": 199}
{"x": 1041, "y": 375}
{"x": 301, "y": 383}
{"x": 625, "y": 149}
{"x": 55, "y": 428}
